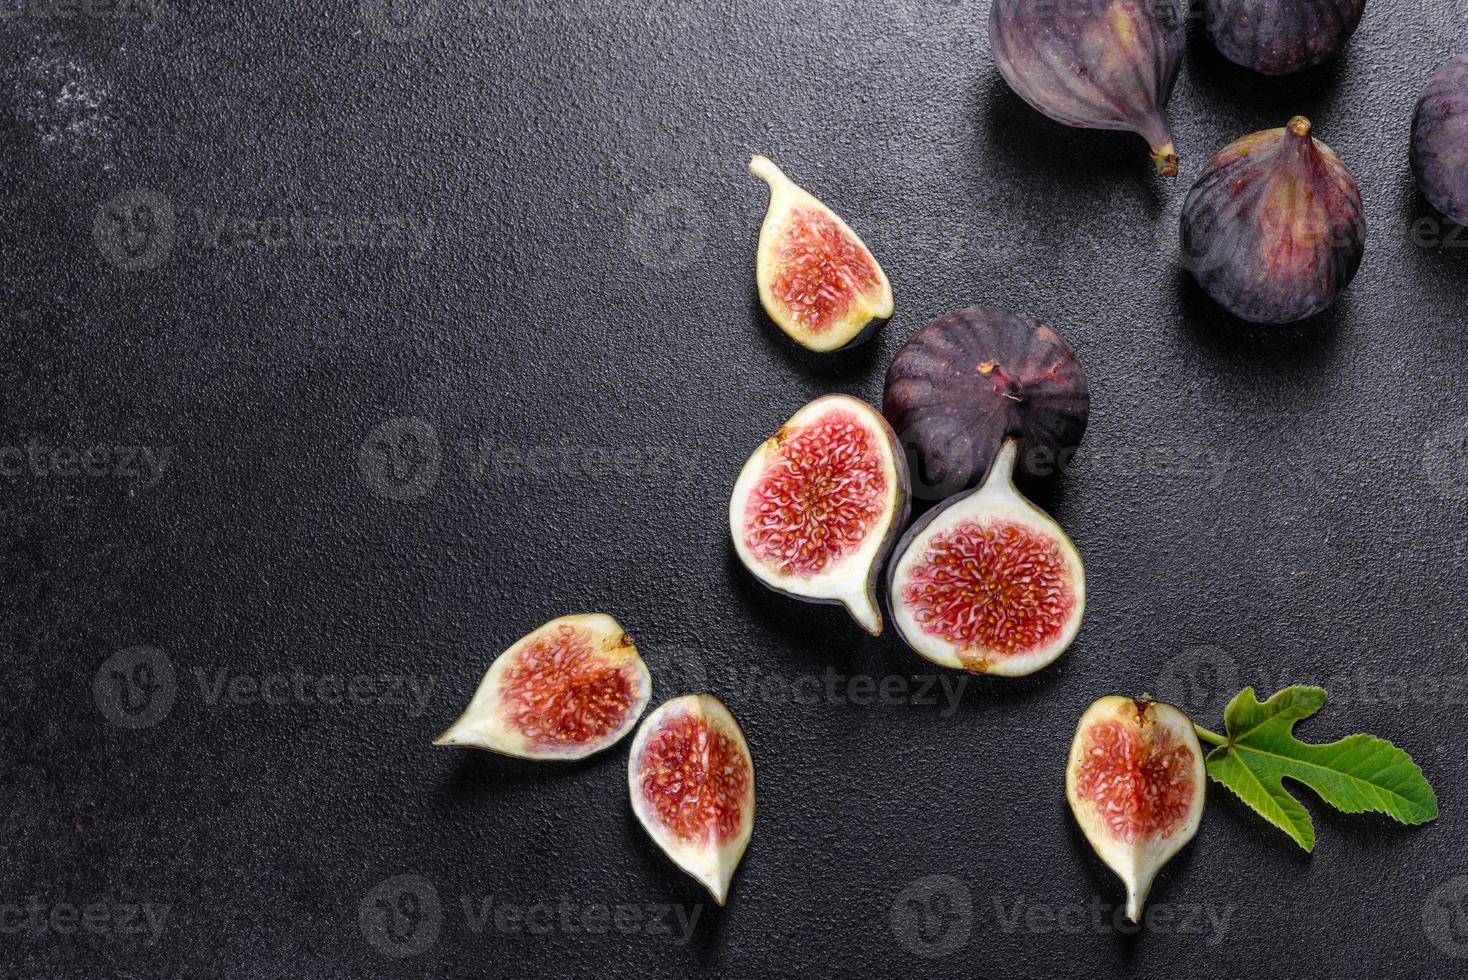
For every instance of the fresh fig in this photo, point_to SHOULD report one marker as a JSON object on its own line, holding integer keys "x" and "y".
{"x": 567, "y": 690}
{"x": 816, "y": 508}
{"x": 966, "y": 381}
{"x": 987, "y": 581}
{"x": 1094, "y": 64}
{"x": 816, "y": 279}
{"x": 1135, "y": 783}
{"x": 1280, "y": 37}
{"x": 1440, "y": 140}
{"x": 1274, "y": 230}
{"x": 691, "y": 778}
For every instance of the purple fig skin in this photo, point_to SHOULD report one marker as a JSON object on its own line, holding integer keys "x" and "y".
{"x": 1094, "y": 64}
{"x": 1440, "y": 140}
{"x": 1280, "y": 37}
{"x": 1274, "y": 230}
{"x": 967, "y": 381}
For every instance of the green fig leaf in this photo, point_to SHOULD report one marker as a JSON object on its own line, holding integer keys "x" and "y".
{"x": 1358, "y": 774}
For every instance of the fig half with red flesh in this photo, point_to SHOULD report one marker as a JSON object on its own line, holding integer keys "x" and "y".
{"x": 817, "y": 280}
{"x": 818, "y": 505}
{"x": 569, "y": 689}
{"x": 691, "y": 779}
{"x": 967, "y": 381}
{"x": 1135, "y": 782}
{"x": 1274, "y": 230}
{"x": 987, "y": 582}
{"x": 1094, "y": 64}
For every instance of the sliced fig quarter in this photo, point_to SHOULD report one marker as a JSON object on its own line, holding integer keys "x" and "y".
{"x": 1135, "y": 782}
{"x": 987, "y": 582}
{"x": 818, "y": 505}
{"x": 691, "y": 779}
{"x": 569, "y": 689}
{"x": 817, "y": 280}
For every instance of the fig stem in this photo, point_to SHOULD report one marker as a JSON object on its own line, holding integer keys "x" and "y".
{"x": 1165, "y": 159}
{"x": 1204, "y": 735}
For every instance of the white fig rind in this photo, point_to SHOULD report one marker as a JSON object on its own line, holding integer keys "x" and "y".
{"x": 853, "y": 582}
{"x": 868, "y": 311}
{"x": 713, "y": 867}
{"x": 483, "y": 725}
{"x": 1136, "y": 864}
{"x": 996, "y": 498}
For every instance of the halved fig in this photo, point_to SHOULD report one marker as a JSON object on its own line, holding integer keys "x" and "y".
{"x": 691, "y": 778}
{"x": 1135, "y": 783}
{"x": 988, "y": 582}
{"x": 1095, "y": 64}
{"x": 1274, "y": 229}
{"x": 816, "y": 508}
{"x": 569, "y": 689}
{"x": 816, "y": 279}
{"x": 968, "y": 380}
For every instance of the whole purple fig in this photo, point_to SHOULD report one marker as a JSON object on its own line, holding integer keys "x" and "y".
{"x": 1440, "y": 140}
{"x": 1274, "y": 229}
{"x": 1094, "y": 64}
{"x": 1279, "y": 37}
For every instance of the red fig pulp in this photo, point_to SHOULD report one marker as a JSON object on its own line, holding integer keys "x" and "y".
{"x": 1094, "y": 64}
{"x": 988, "y": 582}
{"x": 1274, "y": 230}
{"x": 817, "y": 280}
{"x": 817, "y": 506}
{"x": 968, "y": 380}
{"x": 1440, "y": 140}
{"x": 691, "y": 779}
{"x": 1279, "y": 37}
{"x": 1136, "y": 783}
{"x": 570, "y": 688}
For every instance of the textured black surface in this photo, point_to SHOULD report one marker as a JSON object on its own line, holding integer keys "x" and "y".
{"x": 1261, "y": 506}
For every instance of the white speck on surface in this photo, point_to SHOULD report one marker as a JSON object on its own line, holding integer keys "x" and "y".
{"x": 65, "y": 106}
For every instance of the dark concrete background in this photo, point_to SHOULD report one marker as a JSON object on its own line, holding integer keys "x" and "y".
{"x": 384, "y": 460}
